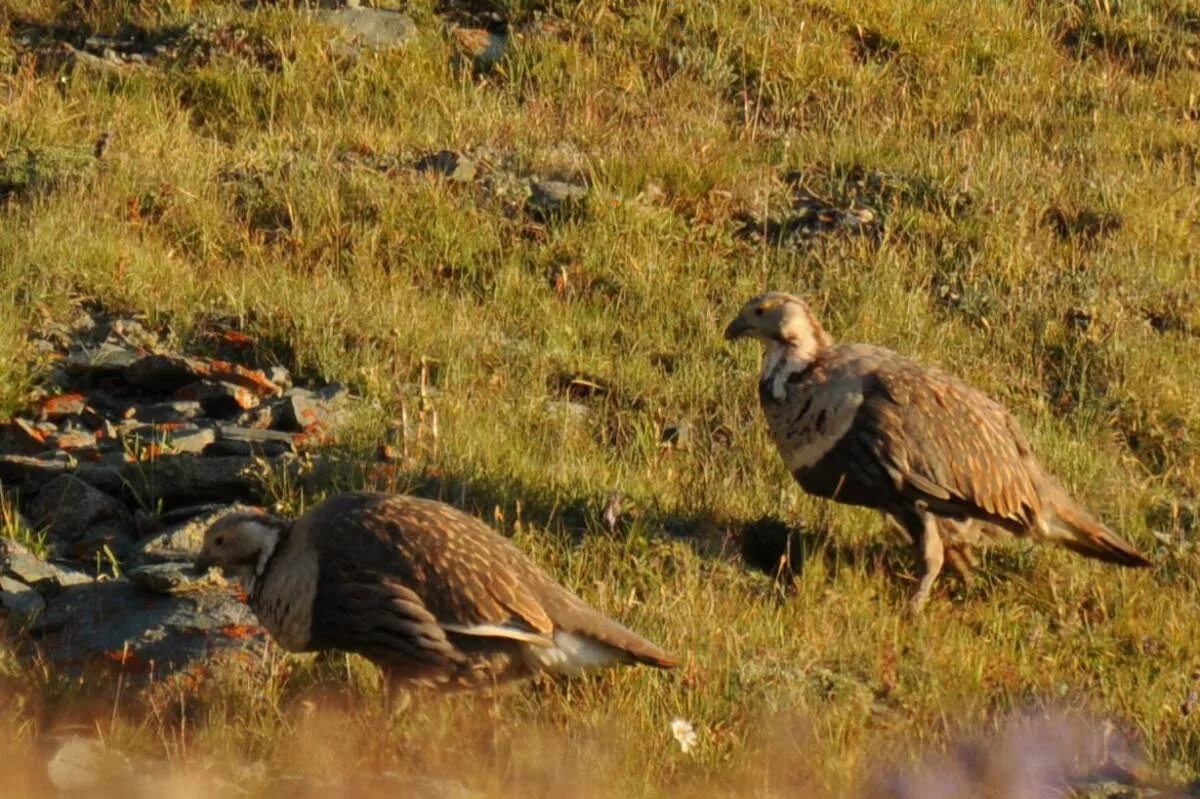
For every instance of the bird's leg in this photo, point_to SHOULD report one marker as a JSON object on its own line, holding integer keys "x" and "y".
{"x": 930, "y": 550}
{"x": 396, "y": 698}
{"x": 959, "y": 559}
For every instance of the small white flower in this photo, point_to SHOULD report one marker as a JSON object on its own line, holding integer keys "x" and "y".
{"x": 684, "y": 733}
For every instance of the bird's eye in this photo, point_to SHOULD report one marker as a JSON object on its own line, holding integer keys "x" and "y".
{"x": 758, "y": 311}
{"x": 219, "y": 540}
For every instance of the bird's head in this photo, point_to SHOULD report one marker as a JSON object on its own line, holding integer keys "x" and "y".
{"x": 781, "y": 319}
{"x": 241, "y": 543}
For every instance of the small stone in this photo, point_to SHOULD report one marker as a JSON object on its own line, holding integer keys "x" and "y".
{"x": 219, "y": 399}
{"x": 280, "y": 376}
{"x": 551, "y": 199}
{"x": 19, "y": 436}
{"x": 160, "y": 412}
{"x": 306, "y": 411}
{"x": 261, "y": 418}
{"x": 56, "y": 408}
{"x": 83, "y": 765}
{"x": 19, "y": 562}
{"x": 20, "y": 601}
{"x": 448, "y": 164}
{"x": 233, "y": 440}
{"x": 191, "y": 439}
{"x": 370, "y": 28}
{"x": 74, "y": 440}
{"x": 105, "y": 359}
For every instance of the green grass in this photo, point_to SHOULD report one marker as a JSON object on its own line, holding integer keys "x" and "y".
{"x": 1033, "y": 166}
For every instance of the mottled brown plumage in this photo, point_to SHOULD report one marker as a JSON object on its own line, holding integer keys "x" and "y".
{"x": 865, "y": 426}
{"x": 431, "y": 595}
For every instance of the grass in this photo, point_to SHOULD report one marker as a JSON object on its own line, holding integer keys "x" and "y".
{"x": 1031, "y": 167}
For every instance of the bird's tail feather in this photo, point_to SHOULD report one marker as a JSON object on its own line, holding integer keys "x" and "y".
{"x": 1079, "y": 531}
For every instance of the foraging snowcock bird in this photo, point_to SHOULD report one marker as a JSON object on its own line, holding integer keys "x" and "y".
{"x": 863, "y": 425}
{"x": 431, "y": 595}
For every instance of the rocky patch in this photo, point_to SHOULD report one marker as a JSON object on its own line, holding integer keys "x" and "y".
{"x": 115, "y": 470}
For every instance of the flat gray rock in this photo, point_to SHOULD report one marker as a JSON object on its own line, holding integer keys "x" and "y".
{"x": 556, "y": 198}
{"x": 169, "y": 578}
{"x": 369, "y": 28}
{"x": 19, "y": 601}
{"x": 17, "y": 561}
{"x": 147, "y": 633}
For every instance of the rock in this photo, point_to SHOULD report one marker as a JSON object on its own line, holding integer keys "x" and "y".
{"x": 280, "y": 376}
{"x": 20, "y": 601}
{"x": 70, "y": 508}
{"x": 21, "y": 437}
{"x": 182, "y": 541}
{"x": 309, "y": 412}
{"x": 168, "y": 578}
{"x": 166, "y": 373}
{"x": 106, "y": 359}
{"x": 117, "y": 623}
{"x": 217, "y": 398}
{"x": 74, "y": 440}
{"x": 185, "y": 479}
{"x": 161, "y": 374}
{"x": 232, "y": 440}
{"x": 554, "y": 199}
{"x": 29, "y": 471}
{"x": 57, "y": 408}
{"x": 261, "y": 418}
{"x": 165, "y": 412}
{"x": 112, "y": 539}
{"x": 369, "y": 28}
{"x": 190, "y": 439}
{"x": 82, "y": 765}
{"x": 19, "y": 562}
{"x": 448, "y": 164}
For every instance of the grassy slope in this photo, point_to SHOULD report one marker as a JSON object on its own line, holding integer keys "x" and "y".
{"x": 980, "y": 120}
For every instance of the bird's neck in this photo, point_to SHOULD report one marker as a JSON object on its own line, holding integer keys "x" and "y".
{"x": 782, "y": 359}
{"x": 250, "y": 574}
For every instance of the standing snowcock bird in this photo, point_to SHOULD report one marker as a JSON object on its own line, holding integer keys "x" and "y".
{"x": 862, "y": 425}
{"x": 429, "y": 594}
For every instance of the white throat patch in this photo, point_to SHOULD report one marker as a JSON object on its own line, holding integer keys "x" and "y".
{"x": 270, "y": 539}
{"x": 780, "y": 363}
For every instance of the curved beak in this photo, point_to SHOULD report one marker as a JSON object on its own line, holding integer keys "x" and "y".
{"x": 737, "y": 329}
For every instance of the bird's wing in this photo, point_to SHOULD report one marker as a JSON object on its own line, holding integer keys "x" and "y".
{"x": 464, "y": 577}
{"x": 946, "y": 443}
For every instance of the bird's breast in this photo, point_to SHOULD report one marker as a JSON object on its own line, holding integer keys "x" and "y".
{"x": 813, "y": 417}
{"x": 284, "y": 601}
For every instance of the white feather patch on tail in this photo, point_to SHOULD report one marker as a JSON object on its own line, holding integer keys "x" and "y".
{"x": 500, "y": 631}
{"x": 571, "y": 654}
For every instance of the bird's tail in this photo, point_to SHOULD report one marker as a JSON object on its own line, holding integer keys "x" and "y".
{"x": 1079, "y": 531}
